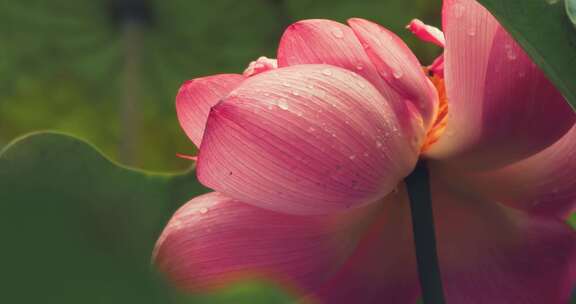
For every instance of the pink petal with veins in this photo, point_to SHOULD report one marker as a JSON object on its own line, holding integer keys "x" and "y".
{"x": 490, "y": 253}
{"x": 197, "y": 96}
{"x": 398, "y": 66}
{"x": 383, "y": 267}
{"x": 320, "y": 41}
{"x": 544, "y": 184}
{"x": 307, "y": 139}
{"x": 214, "y": 240}
{"x": 501, "y": 106}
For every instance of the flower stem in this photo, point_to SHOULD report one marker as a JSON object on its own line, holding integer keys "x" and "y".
{"x": 418, "y": 187}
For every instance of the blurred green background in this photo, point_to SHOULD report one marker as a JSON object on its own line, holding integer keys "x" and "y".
{"x": 108, "y": 70}
{"x": 78, "y": 227}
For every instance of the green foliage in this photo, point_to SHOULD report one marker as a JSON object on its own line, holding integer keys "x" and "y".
{"x": 80, "y": 229}
{"x": 61, "y": 67}
{"x": 571, "y": 11}
{"x": 572, "y": 220}
{"x": 546, "y": 33}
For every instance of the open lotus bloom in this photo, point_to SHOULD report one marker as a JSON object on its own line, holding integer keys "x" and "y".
{"x": 307, "y": 157}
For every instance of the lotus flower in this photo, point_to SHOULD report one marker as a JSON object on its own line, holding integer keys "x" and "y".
{"x": 307, "y": 155}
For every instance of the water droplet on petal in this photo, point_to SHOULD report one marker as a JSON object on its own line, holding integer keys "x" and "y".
{"x": 282, "y": 104}
{"x": 378, "y": 144}
{"x": 352, "y": 157}
{"x": 337, "y": 33}
{"x": 458, "y": 10}
{"x": 471, "y": 31}
{"x": 359, "y": 67}
{"x": 203, "y": 210}
{"x": 327, "y": 72}
{"x": 295, "y": 93}
{"x": 509, "y": 49}
{"x": 398, "y": 74}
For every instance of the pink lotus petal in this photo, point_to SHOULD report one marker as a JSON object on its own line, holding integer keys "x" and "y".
{"x": 262, "y": 64}
{"x": 197, "y": 96}
{"x": 383, "y": 268}
{"x": 437, "y": 67}
{"x": 307, "y": 139}
{"x": 214, "y": 240}
{"x": 501, "y": 106}
{"x": 320, "y": 41}
{"x": 398, "y": 66}
{"x": 493, "y": 254}
{"x": 426, "y": 32}
{"x": 544, "y": 184}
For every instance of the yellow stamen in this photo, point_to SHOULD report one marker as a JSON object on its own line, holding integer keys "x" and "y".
{"x": 441, "y": 119}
